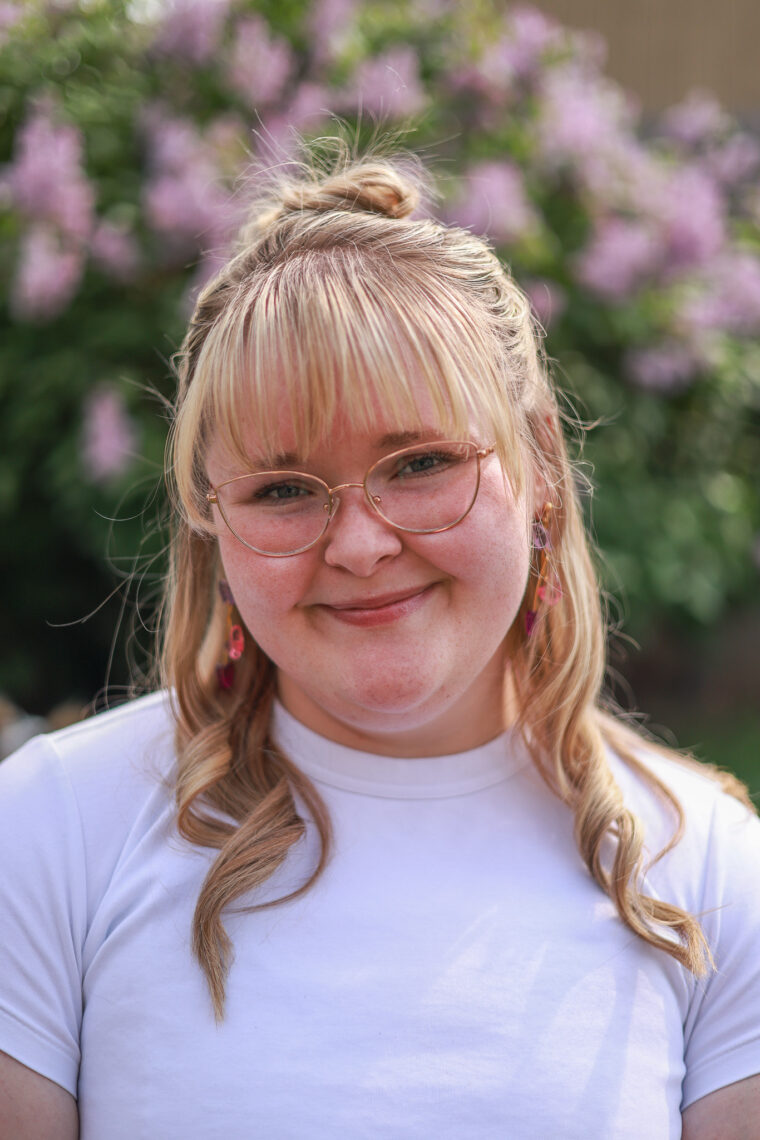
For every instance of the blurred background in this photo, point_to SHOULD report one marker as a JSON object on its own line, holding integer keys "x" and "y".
{"x": 610, "y": 151}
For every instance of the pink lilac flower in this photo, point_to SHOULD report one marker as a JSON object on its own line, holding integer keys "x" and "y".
{"x": 621, "y": 255}
{"x": 495, "y": 74}
{"x": 629, "y": 177}
{"x": 388, "y": 85}
{"x": 304, "y": 113}
{"x": 589, "y": 49}
{"x": 734, "y": 160}
{"x": 261, "y": 64}
{"x": 548, "y": 300}
{"x": 10, "y": 14}
{"x": 615, "y": 176}
{"x": 114, "y": 249}
{"x": 109, "y": 435}
{"x": 727, "y": 299}
{"x": 172, "y": 142}
{"x": 532, "y": 34}
{"x": 192, "y": 29}
{"x": 183, "y": 196}
{"x": 698, "y": 117}
{"x": 47, "y": 275}
{"x": 495, "y": 202}
{"x": 331, "y": 25}
{"x": 487, "y": 98}
{"x": 693, "y": 219}
{"x": 668, "y": 367}
{"x": 185, "y": 207}
{"x": 579, "y": 116}
{"x": 308, "y": 107}
{"x": 46, "y": 178}
{"x": 227, "y": 137}
{"x": 512, "y": 59}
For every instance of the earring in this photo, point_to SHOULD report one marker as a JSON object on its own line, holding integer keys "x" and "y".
{"x": 234, "y": 642}
{"x": 545, "y": 589}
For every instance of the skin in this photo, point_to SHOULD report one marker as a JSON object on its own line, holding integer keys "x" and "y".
{"x": 32, "y": 1107}
{"x": 430, "y": 681}
{"x": 730, "y": 1113}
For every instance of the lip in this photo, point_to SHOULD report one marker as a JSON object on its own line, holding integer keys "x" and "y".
{"x": 382, "y": 608}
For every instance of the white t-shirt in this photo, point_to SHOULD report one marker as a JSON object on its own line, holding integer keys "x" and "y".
{"x": 454, "y": 973}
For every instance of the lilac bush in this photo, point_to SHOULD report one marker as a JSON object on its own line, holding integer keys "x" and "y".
{"x": 109, "y": 434}
{"x": 128, "y": 133}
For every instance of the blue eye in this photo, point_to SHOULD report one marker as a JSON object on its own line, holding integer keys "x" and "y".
{"x": 275, "y": 493}
{"x": 428, "y": 463}
{"x": 423, "y": 462}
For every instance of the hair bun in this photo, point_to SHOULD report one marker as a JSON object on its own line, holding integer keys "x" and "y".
{"x": 391, "y": 186}
{"x": 375, "y": 186}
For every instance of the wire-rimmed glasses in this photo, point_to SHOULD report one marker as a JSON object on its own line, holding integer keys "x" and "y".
{"x": 423, "y": 489}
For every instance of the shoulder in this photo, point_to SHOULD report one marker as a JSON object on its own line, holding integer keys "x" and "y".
{"x": 74, "y": 807}
{"x": 711, "y": 873}
{"x": 136, "y": 737}
{"x": 142, "y": 727}
{"x": 87, "y": 785}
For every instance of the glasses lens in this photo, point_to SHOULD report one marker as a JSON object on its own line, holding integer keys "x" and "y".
{"x": 426, "y": 488}
{"x": 275, "y": 512}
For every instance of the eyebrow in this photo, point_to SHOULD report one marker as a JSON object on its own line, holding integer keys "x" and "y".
{"x": 288, "y": 460}
{"x": 399, "y": 438}
{"x": 291, "y": 461}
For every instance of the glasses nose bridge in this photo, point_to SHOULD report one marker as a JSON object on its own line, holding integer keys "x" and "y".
{"x": 342, "y": 486}
{"x": 335, "y": 497}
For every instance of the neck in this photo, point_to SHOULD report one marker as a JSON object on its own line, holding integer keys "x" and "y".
{"x": 478, "y": 716}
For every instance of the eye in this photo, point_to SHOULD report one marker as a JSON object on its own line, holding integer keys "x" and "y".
{"x": 282, "y": 492}
{"x": 428, "y": 462}
{"x": 421, "y": 463}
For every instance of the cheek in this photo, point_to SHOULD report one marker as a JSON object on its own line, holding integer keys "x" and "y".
{"x": 263, "y": 588}
{"x": 490, "y": 548}
{"x": 497, "y": 572}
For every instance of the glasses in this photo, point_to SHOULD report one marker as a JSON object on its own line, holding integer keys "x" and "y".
{"x": 423, "y": 490}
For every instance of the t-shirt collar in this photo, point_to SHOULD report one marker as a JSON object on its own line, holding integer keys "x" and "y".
{"x": 366, "y": 773}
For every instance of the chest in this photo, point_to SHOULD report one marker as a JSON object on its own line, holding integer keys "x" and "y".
{"x": 437, "y": 980}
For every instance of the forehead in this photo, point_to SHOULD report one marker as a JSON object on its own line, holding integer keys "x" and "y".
{"x": 293, "y": 367}
{"x": 289, "y": 440}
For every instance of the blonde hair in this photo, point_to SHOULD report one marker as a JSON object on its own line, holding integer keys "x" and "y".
{"x": 337, "y": 291}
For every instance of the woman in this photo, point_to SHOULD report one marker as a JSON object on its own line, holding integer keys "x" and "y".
{"x": 379, "y": 865}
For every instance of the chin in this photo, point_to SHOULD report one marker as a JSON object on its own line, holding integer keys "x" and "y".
{"x": 385, "y": 708}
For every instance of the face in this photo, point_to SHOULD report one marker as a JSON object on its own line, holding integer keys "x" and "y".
{"x": 385, "y": 640}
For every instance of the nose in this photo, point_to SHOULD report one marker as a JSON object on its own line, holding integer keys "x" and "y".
{"x": 357, "y": 538}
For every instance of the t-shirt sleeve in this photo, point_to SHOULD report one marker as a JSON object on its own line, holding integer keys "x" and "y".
{"x": 43, "y": 907}
{"x": 722, "y": 1029}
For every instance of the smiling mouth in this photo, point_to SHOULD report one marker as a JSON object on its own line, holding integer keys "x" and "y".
{"x": 381, "y": 609}
{"x": 379, "y": 601}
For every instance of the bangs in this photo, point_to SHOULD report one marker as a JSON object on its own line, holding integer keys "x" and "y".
{"x": 326, "y": 337}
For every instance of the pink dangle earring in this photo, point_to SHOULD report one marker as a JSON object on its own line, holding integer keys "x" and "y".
{"x": 234, "y": 642}
{"x": 546, "y": 588}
